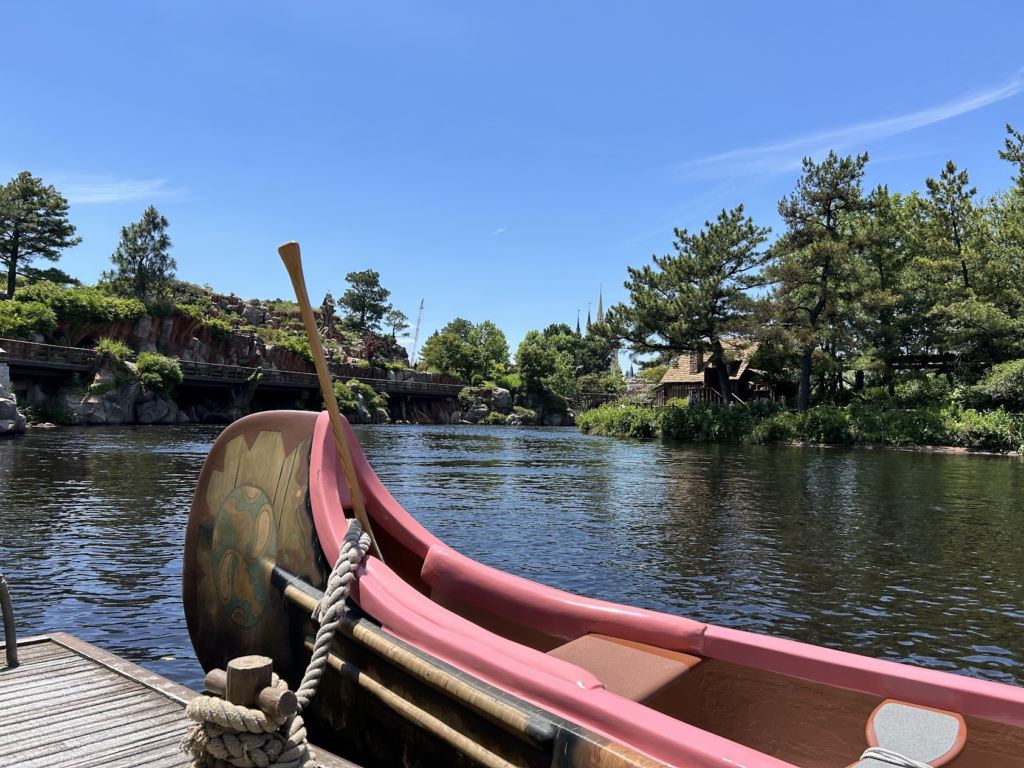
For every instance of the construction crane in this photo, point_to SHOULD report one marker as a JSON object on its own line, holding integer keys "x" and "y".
{"x": 416, "y": 338}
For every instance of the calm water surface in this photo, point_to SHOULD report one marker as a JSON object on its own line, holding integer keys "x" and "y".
{"x": 909, "y": 556}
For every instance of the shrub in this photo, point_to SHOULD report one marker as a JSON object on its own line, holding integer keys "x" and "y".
{"x": 871, "y": 424}
{"x": 85, "y": 304}
{"x": 822, "y": 424}
{"x": 158, "y": 372}
{"x": 20, "y": 318}
{"x": 710, "y": 423}
{"x": 529, "y": 417}
{"x": 293, "y": 342}
{"x": 112, "y": 350}
{"x": 513, "y": 382}
{"x": 600, "y": 383}
{"x": 494, "y": 417}
{"x": 52, "y": 411}
{"x": 996, "y": 430}
{"x": 467, "y": 397}
{"x": 773, "y": 429}
{"x": 615, "y": 419}
{"x": 219, "y": 330}
{"x": 1003, "y": 386}
{"x": 550, "y": 401}
{"x": 348, "y": 403}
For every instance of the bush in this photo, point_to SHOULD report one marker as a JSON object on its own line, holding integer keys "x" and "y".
{"x": 112, "y": 350}
{"x": 467, "y": 397}
{"x": 219, "y": 330}
{"x": 1003, "y": 386}
{"x": 513, "y": 382}
{"x": 348, "y": 403}
{"x": 85, "y": 304}
{"x": 710, "y": 423}
{"x": 822, "y": 424}
{"x": 293, "y": 342}
{"x": 494, "y": 417}
{"x": 615, "y": 419}
{"x": 871, "y": 424}
{"x": 600, "y": 383}
{"x": 20, "y": 318}
{"x": 52, "y": 411}
{"x": 529, "y": 417}
{"x": 158, "y": 372}
{"x": 995, "y": 431}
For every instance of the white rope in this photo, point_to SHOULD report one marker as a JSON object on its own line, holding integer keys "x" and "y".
{"x": 226, "y": 734}
{"x": 892, "y": 758}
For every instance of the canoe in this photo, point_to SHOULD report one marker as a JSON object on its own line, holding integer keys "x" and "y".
{"x": 441, "y": 660}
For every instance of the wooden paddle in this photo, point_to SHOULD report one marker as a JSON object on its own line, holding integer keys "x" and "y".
{"x": 293, "y": 263}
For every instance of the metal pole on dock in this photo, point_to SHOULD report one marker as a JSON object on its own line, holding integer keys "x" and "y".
{"x": 10, "y": 639}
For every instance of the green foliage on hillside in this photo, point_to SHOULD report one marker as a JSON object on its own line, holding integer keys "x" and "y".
{"x": 83, "y": 304}
{"x": 116, "y": 352}
{"x": 158, "y": 372}
{"x": 346, "y": 395}
{"x": 20, "y": 318}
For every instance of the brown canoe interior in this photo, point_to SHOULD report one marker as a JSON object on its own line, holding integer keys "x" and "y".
{"x": 805, "y": 723}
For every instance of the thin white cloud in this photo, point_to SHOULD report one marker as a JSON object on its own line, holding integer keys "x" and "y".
{"x": 499, "y": 230}
{"x": 785, "y": 156}
{"x": 100, "y": 189}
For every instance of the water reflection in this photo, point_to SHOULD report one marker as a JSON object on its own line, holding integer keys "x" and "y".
{"x": 914, "y": 557}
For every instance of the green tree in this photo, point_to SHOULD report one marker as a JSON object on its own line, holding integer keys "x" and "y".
{"x": 814, "y": 261}
{"x": 690, "y": 299}
{"x": 33, "y": 224}
{"x": 143, "y": 268}
{"x": 471, "y": 351}
{"x": 956, "y": 224}
{"x": 396, "y": 321}
{"x": 365, "y": 299}
{"x": 1014, "y": 153}
{"x": 889, "y": 310}
{"x": 493, "y": 346}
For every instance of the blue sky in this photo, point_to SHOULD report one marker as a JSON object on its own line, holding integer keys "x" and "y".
{"x": 500, "y": 161}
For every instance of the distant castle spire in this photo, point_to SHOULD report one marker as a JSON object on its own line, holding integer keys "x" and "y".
{"x": 577, "y": 322}
{"x": 588, "y": 318}
{"x": 600, "y": 305}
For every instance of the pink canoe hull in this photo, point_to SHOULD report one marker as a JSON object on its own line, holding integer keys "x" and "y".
{"x": 566, "y": 689}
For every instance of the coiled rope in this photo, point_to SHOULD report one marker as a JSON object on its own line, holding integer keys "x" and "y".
{"x": 227, "y": 734}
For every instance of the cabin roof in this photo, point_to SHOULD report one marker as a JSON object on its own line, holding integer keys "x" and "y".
{"x": 689, "y": 367}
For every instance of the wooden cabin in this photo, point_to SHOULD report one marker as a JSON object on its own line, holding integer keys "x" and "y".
{"x": 690, "y": 375}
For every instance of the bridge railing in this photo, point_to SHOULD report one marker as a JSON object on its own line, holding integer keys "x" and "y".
{"x": 16, "y": 350}
{"x": 31, "y": 353}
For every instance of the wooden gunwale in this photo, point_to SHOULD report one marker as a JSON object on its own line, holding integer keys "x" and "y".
{"x": 529, "y": 723}
{"x": 422, "y": 718}
{"x": 569, "y": 743}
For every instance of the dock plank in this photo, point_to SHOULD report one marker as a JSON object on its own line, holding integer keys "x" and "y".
{"x": 69, "y": 703}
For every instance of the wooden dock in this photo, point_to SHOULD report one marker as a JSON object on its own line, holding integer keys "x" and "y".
{"x": 70, "y": 703}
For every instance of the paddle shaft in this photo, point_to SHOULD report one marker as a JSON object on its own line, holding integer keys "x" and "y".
{"x": 292, "y": 259}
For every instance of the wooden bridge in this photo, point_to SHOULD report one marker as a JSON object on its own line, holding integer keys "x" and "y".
{"x": 27, "y": 358}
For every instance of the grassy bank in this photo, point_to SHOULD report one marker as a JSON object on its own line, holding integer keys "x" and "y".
{"x": 855, "y": 424}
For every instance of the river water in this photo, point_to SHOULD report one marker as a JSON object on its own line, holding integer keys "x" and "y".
{"x": 915, "y": 557}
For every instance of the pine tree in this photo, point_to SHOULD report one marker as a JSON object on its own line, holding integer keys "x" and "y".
{"x": 365, "y": 299}
{"x": 693, "y": 298}
{"x": 144, "y": 270}
{"x": 815, "y": 255}
{"x": 33, "y": 224}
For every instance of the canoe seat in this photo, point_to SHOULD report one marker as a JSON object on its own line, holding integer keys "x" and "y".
{"x": 632, "y": 670}
{"x": 927, "y": 735}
